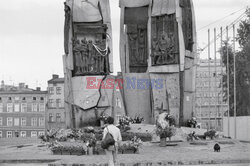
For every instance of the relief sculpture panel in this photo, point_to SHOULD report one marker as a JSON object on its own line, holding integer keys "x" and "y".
{"x": 90, "y": 53}
{"x": 165, "y": 47}
{"x": 137, "y": 41}
{"x": 187, "y": 24}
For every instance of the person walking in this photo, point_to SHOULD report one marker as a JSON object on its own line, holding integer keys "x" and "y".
{"x": 112, "y": 150}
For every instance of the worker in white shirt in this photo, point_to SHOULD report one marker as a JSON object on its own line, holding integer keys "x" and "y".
{"x": 111, "y": 152}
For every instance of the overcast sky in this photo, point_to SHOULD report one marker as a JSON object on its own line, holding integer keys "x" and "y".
{"x": 31, "y": 35}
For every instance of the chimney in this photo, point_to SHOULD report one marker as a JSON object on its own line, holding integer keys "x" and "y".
{"x": 21, "y": 85}
{"x": 55, "y": 76}
{"x": 26, "y": 86}
{"x": 38, "y": 88}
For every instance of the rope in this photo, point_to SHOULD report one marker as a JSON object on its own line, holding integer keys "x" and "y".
{"x": 224, "y": 31}
{"x": 106, "y": 50}
{"x": 221, "y": 19}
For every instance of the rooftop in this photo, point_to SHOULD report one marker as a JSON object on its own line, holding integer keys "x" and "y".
{"x": 56, "y": 79}
{"x": 20, "y": 89}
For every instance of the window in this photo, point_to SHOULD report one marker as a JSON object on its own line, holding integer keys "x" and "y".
{"x": 9, "y": 107}
{"x": 58, "y": 103}
{"x": 1, "y": 134}
{"x": 58, "y": 117}
{"x": 51, "y": 118}
{"x": 9, "y": 134}
{"x": 1, "y": 107}
{"x": 23, "y": 121}
{"x": 9, "y": 99}
{"x": 41, "y": 122}
{"x": 58, "y": 90}
{"x": 41, "y": 107}
{"x": 34, "y": 98}
{"x": 34, "y": 107}
{"x": 1, "y": 121}
{"x": 51, "y": 104}
{"x": 24, "y": 99}
{"x": 9, "y": 121}
{"x": 23, "y": 133}
{"x": 33, "y": 121}
{"x": 40, "y": 133}
{"x": 16, "y": 98}
{"x": 118, "y": 103}
{"x": 23, "y": 107}
{"x": 0, "y": 99}
{"x": 33, "y": 134}
{"x": 42, "y": 98}
{"x": 16, "y": 107}
{"x": 51, "y": 90}
{"x": 16, "y": 121}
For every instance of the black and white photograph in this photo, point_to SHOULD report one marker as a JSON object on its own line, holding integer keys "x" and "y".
{"x": 124, "y": 82}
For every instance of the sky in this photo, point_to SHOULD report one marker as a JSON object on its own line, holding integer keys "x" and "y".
{"x": 31, "y": 35}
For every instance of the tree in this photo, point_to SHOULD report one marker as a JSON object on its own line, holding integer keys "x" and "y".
{"x": 242, "y": 69}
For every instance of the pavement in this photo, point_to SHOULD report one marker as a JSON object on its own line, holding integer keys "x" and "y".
{"x": 232, "y": 152}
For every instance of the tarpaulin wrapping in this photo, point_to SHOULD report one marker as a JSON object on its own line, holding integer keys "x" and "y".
{"x": 161, "y": 7}
{"x": 181, "y": 36}
{"x": 85, "y": 10}
{"x": 84, "y": 94}
{"x": 134, "y": 3}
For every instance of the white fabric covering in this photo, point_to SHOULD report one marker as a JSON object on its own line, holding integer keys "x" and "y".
{"x": 161, "y": 7}
{"x": 134, "y": 3}
{"x": 85, "y": 10}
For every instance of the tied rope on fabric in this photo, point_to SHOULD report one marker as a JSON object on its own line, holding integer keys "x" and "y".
{"x": 106, "y": 50}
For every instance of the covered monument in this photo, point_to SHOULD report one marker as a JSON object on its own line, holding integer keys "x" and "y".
{"x": 88, "y": 61}
{"x": 157, "y": 51}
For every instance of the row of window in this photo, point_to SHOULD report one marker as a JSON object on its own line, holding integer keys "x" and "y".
{"x": 58, "y": 117}
{"x": 211, "y": 94}
{"x": 10, "y": 134}
{"x": 206, "y": 84}
{"x": 23, "y": 107}
{"x": 16, "y": 121}
{"x": 17, "y": 98}
{"x": 206, "y": 74}
{"x": 55, "y": 103}
{"x": 58, "y": 90}
{"x": 206, "y": 114}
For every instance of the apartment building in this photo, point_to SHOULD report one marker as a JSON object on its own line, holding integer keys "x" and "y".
{"x": 22, "y": 111}
{"x": 55, "y": 115}
{"x": 210, "y": 107}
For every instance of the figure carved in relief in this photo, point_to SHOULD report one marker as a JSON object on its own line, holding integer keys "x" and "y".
{"x": 91, "y": 60}
{"x": 133, "y": 48}
{"x": 141, "y": 51}
{"x": 171, "y": 53}
{"x": 78, "y": 59}
{"x": 77, "y": 54}
{"x": 84, "y": 51}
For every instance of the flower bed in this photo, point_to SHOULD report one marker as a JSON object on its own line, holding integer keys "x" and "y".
{"x": 67, "y": 148}
{"x": 145, "y": 137}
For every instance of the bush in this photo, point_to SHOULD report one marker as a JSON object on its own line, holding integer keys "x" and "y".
{"x": 71, "y": 148}
{"x": 210, "y": 134}
{"x": 167, "y": 132}
{"x": 145, "y": 137}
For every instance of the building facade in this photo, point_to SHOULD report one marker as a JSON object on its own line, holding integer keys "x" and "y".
{"x": 22, "y": 111}
{"x": 210, "y": 107}
{"x": 55, "y": 116}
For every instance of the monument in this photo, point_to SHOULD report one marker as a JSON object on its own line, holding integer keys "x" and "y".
{"x": 157, "y": 54}
{"x": 158, "y": 43}
{"x": 88, "y": 61}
